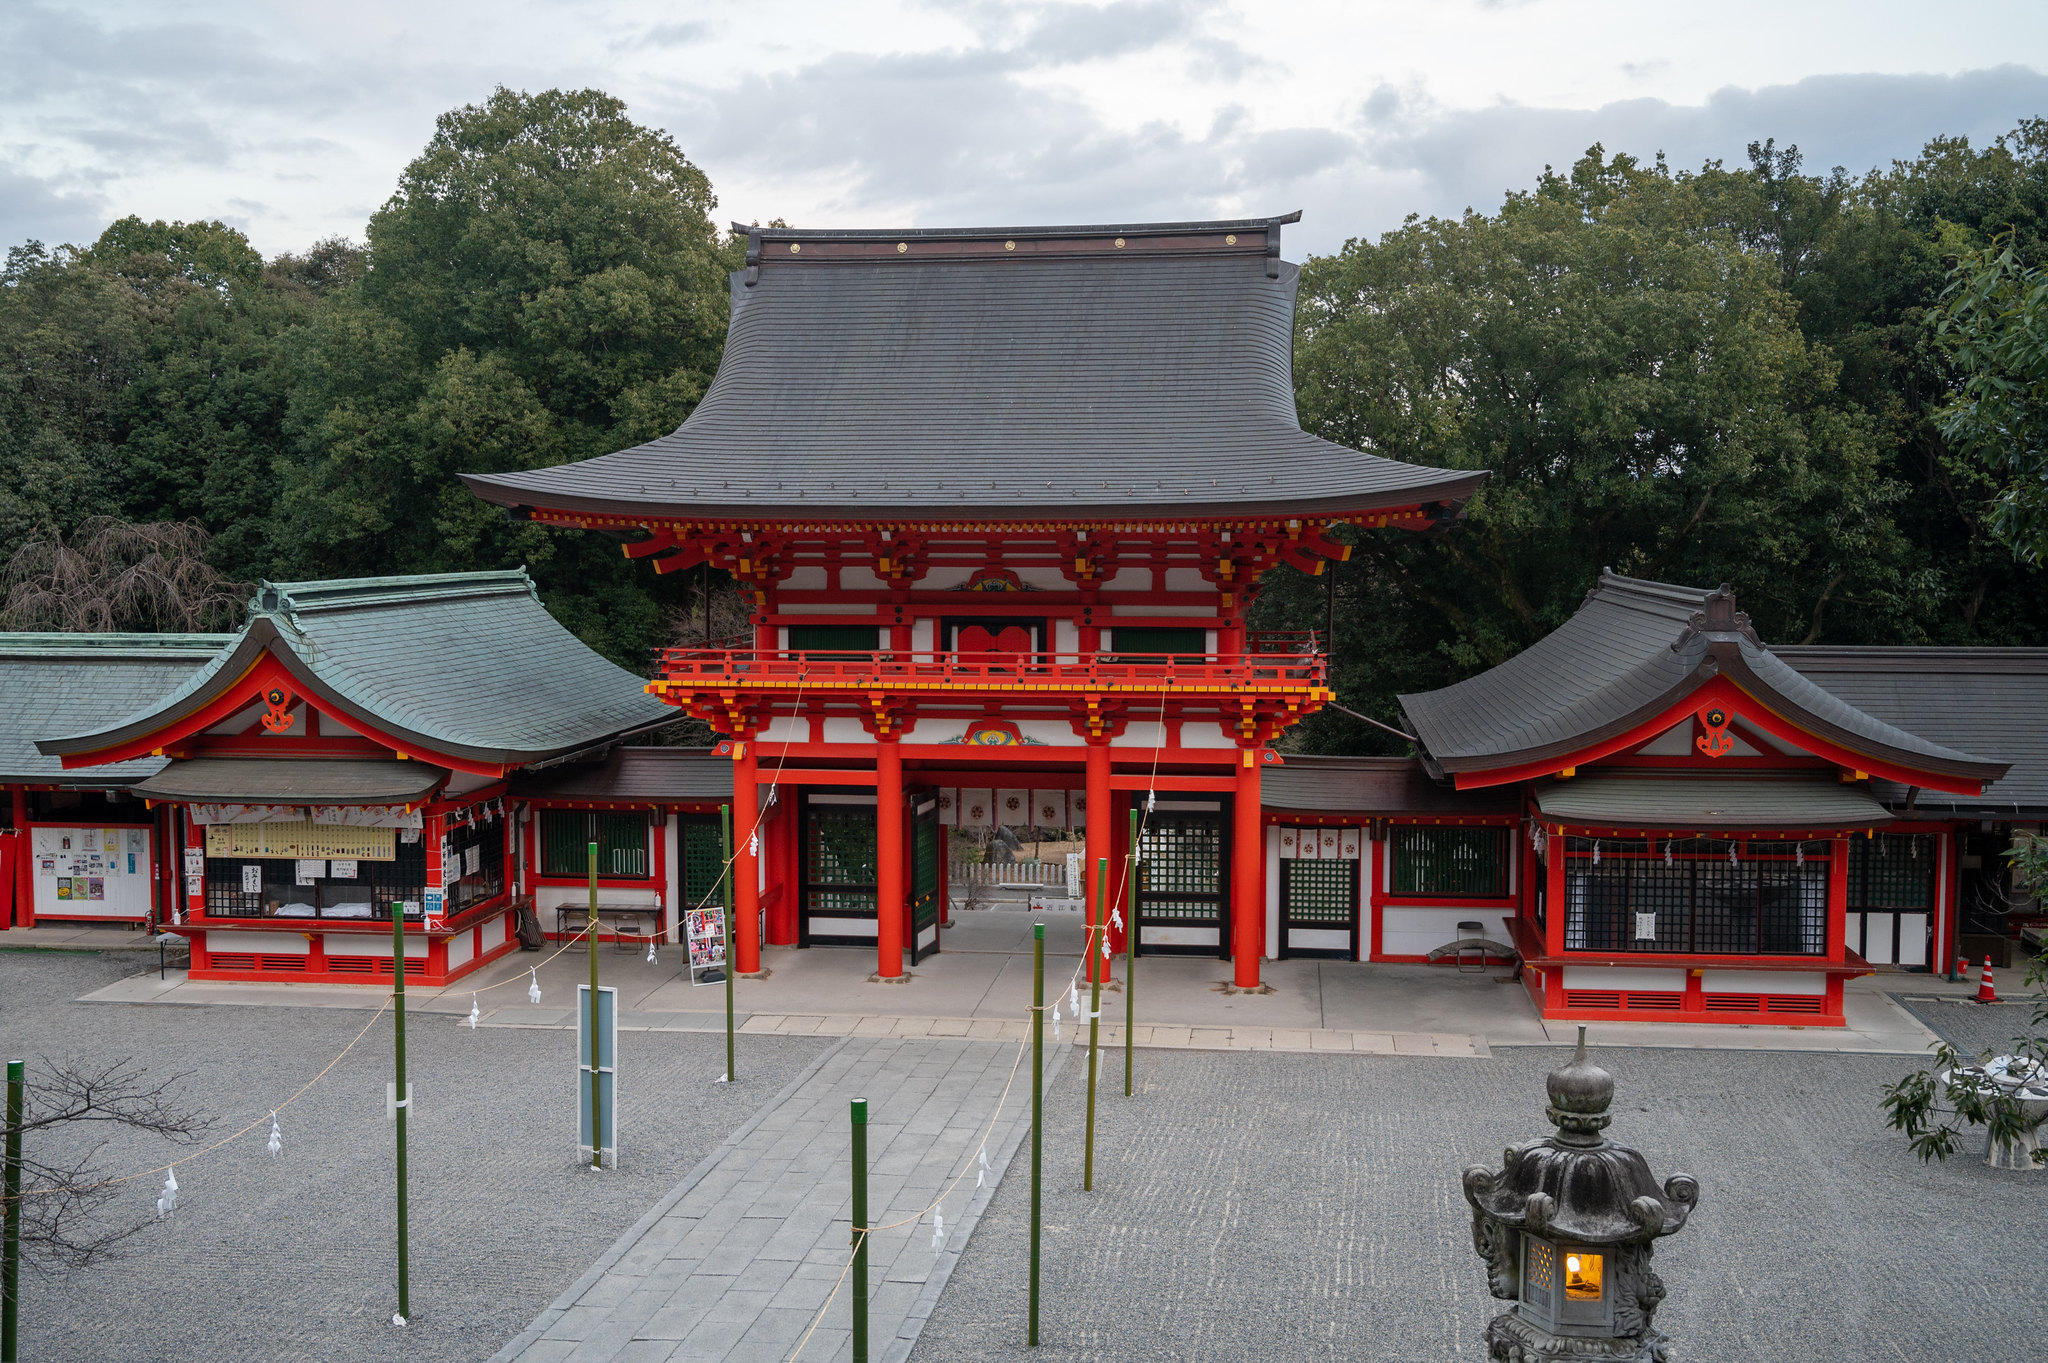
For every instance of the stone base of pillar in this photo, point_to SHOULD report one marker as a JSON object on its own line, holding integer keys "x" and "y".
{"x": 1260, "y": 988}
{"x": 878, "y": 978}
{"x": 1510, "y": 1339}
{"x": 763, "y": 973}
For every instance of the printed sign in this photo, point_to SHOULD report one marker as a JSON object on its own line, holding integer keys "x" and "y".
{"x": 472, "y": 859}
{"x": 309, "y": 872}
{"x": 252, "y": 878}
{"x": 195, "y": 861}
{"x": 343, "y": 869}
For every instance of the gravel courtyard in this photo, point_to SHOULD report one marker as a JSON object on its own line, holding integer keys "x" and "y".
{"x": 1308, "y": 1207}
{"x": 292, "y": 1258}
{"x": 1272, "y": 1206}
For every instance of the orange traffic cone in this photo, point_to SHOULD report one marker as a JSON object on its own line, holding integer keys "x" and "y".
{"x": 1986, "y": 991}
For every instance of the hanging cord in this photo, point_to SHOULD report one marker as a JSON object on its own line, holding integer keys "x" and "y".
{"x": 268, "y": 1113}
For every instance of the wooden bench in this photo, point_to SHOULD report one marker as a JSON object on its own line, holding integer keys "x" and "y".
{"x": 572, "y": 917}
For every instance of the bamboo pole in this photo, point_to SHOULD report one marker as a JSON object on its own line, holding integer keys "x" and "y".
{"x": 1037, "y": 1108}
{"x": 596, "y": 1086}
{"x": 860, "y": 1230}
{"x": 725, "y": 900}
{"x": 1131, "y": 956}
{"x": 404, "y": 1108}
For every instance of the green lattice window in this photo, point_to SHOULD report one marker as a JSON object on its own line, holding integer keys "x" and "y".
{"x": 1892, "y": 872}
{"x": 565, "y": 835}
{"x": 839, "y": 859}
{"x": 703, "y": 858}
{"x": 1181, "y": 875}
{"x": 1468, "y": 863}
{"x": 1320, "y": 893}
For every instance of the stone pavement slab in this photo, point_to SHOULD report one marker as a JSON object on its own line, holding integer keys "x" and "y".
{"x": 740, "y": 1260}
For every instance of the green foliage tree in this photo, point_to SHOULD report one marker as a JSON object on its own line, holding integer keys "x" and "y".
{"x": 1995, "y": 327}
{"x": 545, "y": 285}
{"x": 1635, "y": 381}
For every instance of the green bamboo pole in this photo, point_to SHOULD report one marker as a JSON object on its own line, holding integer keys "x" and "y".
{"x": 596, "y": 1088}
{"x": 404, "y": 1101}
{"x": 1037, "y": 1106}
{"x": 860, "y": 1239}
{"x": 1131, "y": 956}
{"x": 1095, "y": 1011}
{"x": 10, "y": 1247}
{"x": 725, "y": 899}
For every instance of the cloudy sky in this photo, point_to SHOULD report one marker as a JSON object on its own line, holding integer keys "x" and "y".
{"x": 291, "y": 119}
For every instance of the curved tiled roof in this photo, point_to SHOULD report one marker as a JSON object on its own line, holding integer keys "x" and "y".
{"x": 1018, "y": 374}
{"x": 57, "y": 681}
{"x": 1630, "y": 651}
{"x": 466, "y": 664}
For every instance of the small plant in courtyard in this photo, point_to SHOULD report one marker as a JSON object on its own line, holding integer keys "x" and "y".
{"x": 1934, "y": 1106}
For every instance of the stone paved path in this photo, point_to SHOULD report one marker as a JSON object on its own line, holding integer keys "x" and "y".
{"x": 735, "y": 1263}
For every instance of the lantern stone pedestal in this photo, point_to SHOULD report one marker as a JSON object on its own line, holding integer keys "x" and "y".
{"x": 1566, "y": 1227}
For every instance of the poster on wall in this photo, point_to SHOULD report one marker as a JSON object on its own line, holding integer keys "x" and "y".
{"x": 704, "y": 930}
{"x": 91, "y": 872}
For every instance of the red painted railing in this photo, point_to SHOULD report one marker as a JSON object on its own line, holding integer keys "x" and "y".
{"x": 716, "y": 668}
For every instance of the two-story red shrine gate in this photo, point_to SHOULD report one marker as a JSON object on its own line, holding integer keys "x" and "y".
{"x": 1000, "y": 501}
{"x": 345, "y": 758}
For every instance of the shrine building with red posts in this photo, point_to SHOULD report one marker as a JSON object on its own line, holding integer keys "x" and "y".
{"x": 346, "y": 757}
{"x": 1701, "y": 821}
{"x": 1000, "y": 503}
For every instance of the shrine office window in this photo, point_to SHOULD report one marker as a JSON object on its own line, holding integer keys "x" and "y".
{"x": 566, "y": 835}
{"x": 1462, "y": 863}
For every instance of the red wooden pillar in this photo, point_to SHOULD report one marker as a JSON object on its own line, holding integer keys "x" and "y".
{"x": 1554, "y": 895}
{"x": 888, "y": 857}
{"x": 1247, "y": 874}
{"x": 746, "y": 859}
{"x": 433, "y": 832}
{"x": 194, "y": 902}
{"x": 1838, "y": 899}
{"x": 1096, "y": 841}
{"x": 24, "y": 873}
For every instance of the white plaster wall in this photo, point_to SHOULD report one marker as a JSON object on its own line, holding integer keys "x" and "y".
{"x": 806, "y": 579}
{"x": 1190, "y": 612}
{"x": 1762, "y": 982}
{"x": 370, "y": 944}
{"x": 786, "y": 729}
{"x": 945, "y": 579}
{"x": 1623, "y": 977}
{"x": 846, "y": 731}
{"x": 1272, "y": 893}
{"x": 1066, "y": 636}
{"x": 1129, "y": 580}
{"x": 1417, "y": 931}
{"x": 460, "y": 948}
{"x": 548, "y": 898}
{"x": 672, "y": 834}
{"x": 1203, "y": 733}
{"x": 1144, "y": 733}
{"x": 858, "y": 577}
{"x": 1052, "y": 732}
{"x": 1045, "y": 579}
{"x": 496, "y": 930}
{"x": 1187, "y": 580}
{"x": 923, "y": 631}
{"x": 269, "y": 943}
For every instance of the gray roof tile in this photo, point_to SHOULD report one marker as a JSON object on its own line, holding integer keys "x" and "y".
{"x": 61, "y": 681}
{"x": 1066, "y": 380}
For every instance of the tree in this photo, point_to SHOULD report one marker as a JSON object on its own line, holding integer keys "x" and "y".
{"x": 1994, "y": 325}
{"x": 64, "y": 1189}
{"x": 545, "y": 285}
{"x": 1633, "y": 378}
{"x": 110, "y": 574}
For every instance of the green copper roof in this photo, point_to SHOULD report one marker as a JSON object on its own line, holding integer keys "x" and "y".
{"x": 63, "y": 681}
{"x": 467, "y": 664}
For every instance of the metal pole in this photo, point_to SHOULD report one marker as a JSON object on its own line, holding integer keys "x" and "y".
{"x": 1095, "y": 1014}
{"x": 596, "y": 1088}
{"x": 1131, "y": 957}
{"x": 859, "y": 1229}
{"x": 10, "y": 1248}
{"x": 725, "y": 899}
{"x": 1037, "y": 1106}
{"x": 404, "y": 1101}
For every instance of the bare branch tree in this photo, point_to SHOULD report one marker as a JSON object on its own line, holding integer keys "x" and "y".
{"x": 64, "y": 1196}
{"x": 110, "y": 574}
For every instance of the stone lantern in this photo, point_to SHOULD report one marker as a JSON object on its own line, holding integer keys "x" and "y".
{"x": 1566, "y": 1228}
